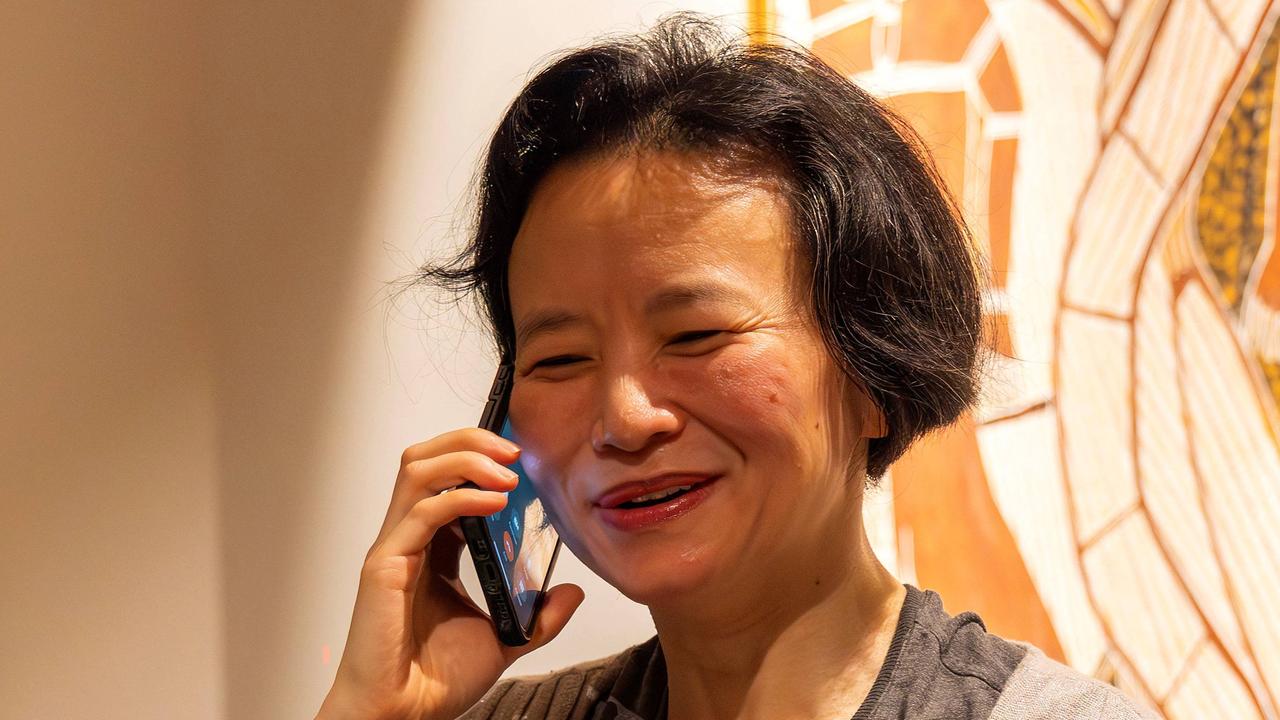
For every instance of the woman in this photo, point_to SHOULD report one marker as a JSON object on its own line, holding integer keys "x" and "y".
{"x": 725, "y": 268}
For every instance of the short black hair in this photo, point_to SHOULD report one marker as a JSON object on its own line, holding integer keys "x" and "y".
{"x": 896, "y": 281}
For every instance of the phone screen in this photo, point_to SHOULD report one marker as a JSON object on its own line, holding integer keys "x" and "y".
{"x": 524, "y": 540}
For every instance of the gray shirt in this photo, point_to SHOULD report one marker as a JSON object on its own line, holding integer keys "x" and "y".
{"x": 938, "y": 667}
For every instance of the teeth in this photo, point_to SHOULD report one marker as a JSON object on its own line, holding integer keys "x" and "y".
{"x": 660, "y": 494}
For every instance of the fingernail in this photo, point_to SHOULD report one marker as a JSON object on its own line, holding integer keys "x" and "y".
{"x": 510, "y": 475}
{"x": 508, "y": 445}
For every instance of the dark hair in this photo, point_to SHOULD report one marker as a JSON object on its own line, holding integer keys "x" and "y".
{"x": 895, "y": 288}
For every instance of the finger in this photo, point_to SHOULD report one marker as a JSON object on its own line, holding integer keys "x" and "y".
{"x": 434, "y": 475}
{"x": 415, "y": 531}
{"x": 560, "y": 603}
{"x": 424, "y": 478}
{"x": 478, "y": 439}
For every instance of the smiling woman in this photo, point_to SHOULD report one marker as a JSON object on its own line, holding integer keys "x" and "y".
{"x": 733, "y": 292}
{"x": 691, "y": 362}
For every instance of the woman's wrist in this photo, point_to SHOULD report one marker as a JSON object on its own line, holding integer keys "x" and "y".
{"x": 336, "y": 707}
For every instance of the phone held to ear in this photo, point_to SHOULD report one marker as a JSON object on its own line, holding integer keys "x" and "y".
{"x": 514, "y": 550}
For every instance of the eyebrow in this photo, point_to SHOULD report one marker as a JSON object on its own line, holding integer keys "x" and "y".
{"x": 545, "y": 322}
{"x": 677, "y": 296}
{"x": 666, "y": 300}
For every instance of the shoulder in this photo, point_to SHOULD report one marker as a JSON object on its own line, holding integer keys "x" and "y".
{"x": 570, "y": 693}
{"x": 964, "y": 648}
{"x": 939, "y": 665}
{"x": 952, "y": 667}
{"x": 1041, "y": 688}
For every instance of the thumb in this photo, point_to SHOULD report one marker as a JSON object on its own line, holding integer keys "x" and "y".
{"x": 560, "y": 603}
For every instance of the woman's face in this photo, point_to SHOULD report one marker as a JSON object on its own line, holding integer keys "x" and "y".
{"x": 661, "y": 337}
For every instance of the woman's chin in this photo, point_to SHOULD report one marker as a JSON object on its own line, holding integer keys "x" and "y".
{"x": 656, "y": 581}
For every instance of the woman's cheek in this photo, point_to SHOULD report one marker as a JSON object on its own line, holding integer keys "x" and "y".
{"x": 546, "y": 419}
{"x": 755, "y": 387}
{"x": 543, "y": 414}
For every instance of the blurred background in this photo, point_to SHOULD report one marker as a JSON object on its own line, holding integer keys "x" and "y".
{"x": 205, "y": 383}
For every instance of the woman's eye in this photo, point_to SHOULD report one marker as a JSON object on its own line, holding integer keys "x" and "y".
{"x": 695, "y": 336}
{"x": 557, "y": 361}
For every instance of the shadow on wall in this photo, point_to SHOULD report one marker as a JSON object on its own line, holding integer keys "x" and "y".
{"x": 296, "y": 102}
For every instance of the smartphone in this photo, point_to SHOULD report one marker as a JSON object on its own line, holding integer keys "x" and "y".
{"x": 514, "y": 550}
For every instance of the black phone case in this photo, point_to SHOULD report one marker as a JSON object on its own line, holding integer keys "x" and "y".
{"x": 497, "y": 595}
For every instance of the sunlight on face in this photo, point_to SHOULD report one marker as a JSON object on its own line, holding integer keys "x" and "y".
{"x": 660, "y": 328}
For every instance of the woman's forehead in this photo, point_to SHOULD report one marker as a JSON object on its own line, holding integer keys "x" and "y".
{"x": 653, "y": 208}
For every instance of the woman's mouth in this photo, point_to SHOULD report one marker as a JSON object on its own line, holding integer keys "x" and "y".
{"x": 655, "y": 507}
{"x": 655, "y": 498}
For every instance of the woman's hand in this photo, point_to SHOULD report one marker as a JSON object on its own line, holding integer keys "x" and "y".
{"x": 418, "y": 646}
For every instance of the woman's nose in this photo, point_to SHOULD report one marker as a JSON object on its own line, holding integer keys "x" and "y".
{"x": 629, "y": 420}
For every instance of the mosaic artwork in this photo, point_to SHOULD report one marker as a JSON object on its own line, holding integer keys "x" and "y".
{"x": 1115, "y": 498}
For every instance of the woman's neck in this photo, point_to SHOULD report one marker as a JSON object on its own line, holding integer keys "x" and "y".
{"x": 809, "y": 647}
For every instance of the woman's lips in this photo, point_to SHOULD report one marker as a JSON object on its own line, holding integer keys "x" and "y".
{"x": 638, "y": 518}
{"x": 639, "y": 488}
